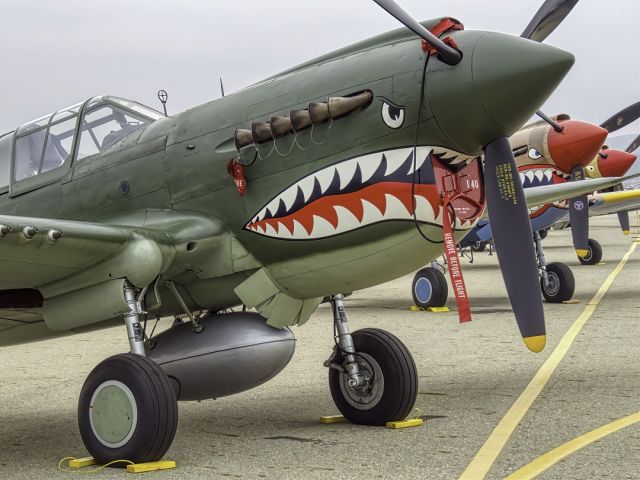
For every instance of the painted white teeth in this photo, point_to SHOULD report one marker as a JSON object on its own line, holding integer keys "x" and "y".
{"x": 439, "y": 217}
{"x": 263, "y": 222}
{"x": 325, "y": 176}
{"x": 370, "y": 213}
{"x": 395, "y": 208}
{"x": 396, "y": 158}
{"x": 424, "y": 210}
{"x": 298, "y": 230}
{"x": 306, "y": 184}
{"x": 289, "y": 196}
{"x": 539, "y": 175}
{"x": 321, "y": 228}
{"x": 369, "y": 164}
{"x": 346, "y": 220}
{"x": 283, "y": 231}
{"x": 346, "y": 170}
{"x": 273, "y": 205}
{"x": 522, "y": 177}
{"x": 422, "y": 153}
{"x": 529, "y": 174}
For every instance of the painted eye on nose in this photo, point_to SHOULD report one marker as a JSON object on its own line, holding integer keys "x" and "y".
{"x": 534, "y": 154}
{"x": 591, "y": 168}
{"x": 392, "y": 115}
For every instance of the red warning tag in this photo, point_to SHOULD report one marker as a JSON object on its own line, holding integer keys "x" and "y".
{"x": 455, "y": 269}
{"x": 236, "y": 170}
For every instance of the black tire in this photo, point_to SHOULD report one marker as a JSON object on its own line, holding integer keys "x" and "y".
{"x": 429, "y": 288}
{"x": 563, "y": 284}
{"x": 155, "y": 410}
{"x": 397, "y": 393}
{"x": 543, "y": 234}
{"x": 594, "y": 256}
{"x": 479, "y": 246}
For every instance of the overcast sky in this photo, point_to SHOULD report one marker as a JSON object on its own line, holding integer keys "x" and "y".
{"x": 56, "y": 53}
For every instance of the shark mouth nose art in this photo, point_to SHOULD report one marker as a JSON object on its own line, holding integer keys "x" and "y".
{"x": 541, "y": 175}
{"x": 354, "y": 193}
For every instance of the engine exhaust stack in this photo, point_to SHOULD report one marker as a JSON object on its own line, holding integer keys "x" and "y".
{"x": 300, "y": 119}
{"x": 243, "y": 138}
{"x": 319, "y": 112}
{"x": 261, "y": 132}
{"x": 341, "y": 106}
{"x": 280, "y": 126}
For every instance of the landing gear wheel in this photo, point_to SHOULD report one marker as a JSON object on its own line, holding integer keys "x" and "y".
{"x": 543, "y": 234}
{"x": 127, "y": 410}
{"x": 429, "y": 288}
{"x": 391, "y": 380}
{"x": 561, "y": 284}
{"x": 595, "y": 253}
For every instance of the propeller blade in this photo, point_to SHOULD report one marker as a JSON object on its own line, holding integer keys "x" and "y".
{"x": 513, "y": 239}
{"x": 449, "y": 55}
{"x": 622, "y": 118}
{"x": 623, "y": 217}
{"x": 547, "y": 18}
{"x": 579, "y": 217}
{"x": 633, "y": 146}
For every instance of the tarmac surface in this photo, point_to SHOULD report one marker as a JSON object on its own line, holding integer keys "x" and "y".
{"x": 470, "y": 376}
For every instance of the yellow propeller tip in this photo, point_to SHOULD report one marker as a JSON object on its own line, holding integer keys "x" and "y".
{"x": 626, "y": 232}
{"x": 535, "y": 344}
{"x": 582, "y": 253}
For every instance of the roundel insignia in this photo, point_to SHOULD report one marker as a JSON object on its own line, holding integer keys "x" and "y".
{"x": 579, "y": 205}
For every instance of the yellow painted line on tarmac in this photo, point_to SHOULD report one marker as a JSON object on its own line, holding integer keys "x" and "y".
{"x": 540, "y": 464}
{"x": 488, "y": 453}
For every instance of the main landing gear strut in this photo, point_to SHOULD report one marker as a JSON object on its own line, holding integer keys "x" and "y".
{"x": 556, "y": 279}
{"x": 372, "y": 375}
{"x": 127, "y": 408}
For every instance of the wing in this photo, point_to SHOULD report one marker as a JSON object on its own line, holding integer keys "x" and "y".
{"x": 543, "y": 195}
{"x": 46, "y": 259}
{"x": 613, "y": 202}
{"x": 45, "y": 254}
{"x": 59, "y": 275}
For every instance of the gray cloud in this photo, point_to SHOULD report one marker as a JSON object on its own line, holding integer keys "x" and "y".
{"x": 58, "y": 53}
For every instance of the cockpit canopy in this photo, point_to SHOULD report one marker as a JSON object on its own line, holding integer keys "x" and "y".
{"x": 48, "y": 143}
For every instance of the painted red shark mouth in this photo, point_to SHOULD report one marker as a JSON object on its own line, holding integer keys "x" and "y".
{"x": 542, "y": 175}
{"x": 355, "y": 193}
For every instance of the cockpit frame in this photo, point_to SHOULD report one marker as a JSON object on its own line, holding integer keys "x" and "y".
{"x": 63, "y": 172}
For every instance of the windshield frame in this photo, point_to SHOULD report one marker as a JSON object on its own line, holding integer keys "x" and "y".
{"x": 64, "y": 172}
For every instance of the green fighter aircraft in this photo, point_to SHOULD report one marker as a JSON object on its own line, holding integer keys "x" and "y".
{"x": 321, "y": 180}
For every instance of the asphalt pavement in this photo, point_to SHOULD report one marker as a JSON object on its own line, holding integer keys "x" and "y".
{"x": 470, "y": 376}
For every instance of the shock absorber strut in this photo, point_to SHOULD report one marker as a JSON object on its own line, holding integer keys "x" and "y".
{"x": 345, "y": 341}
